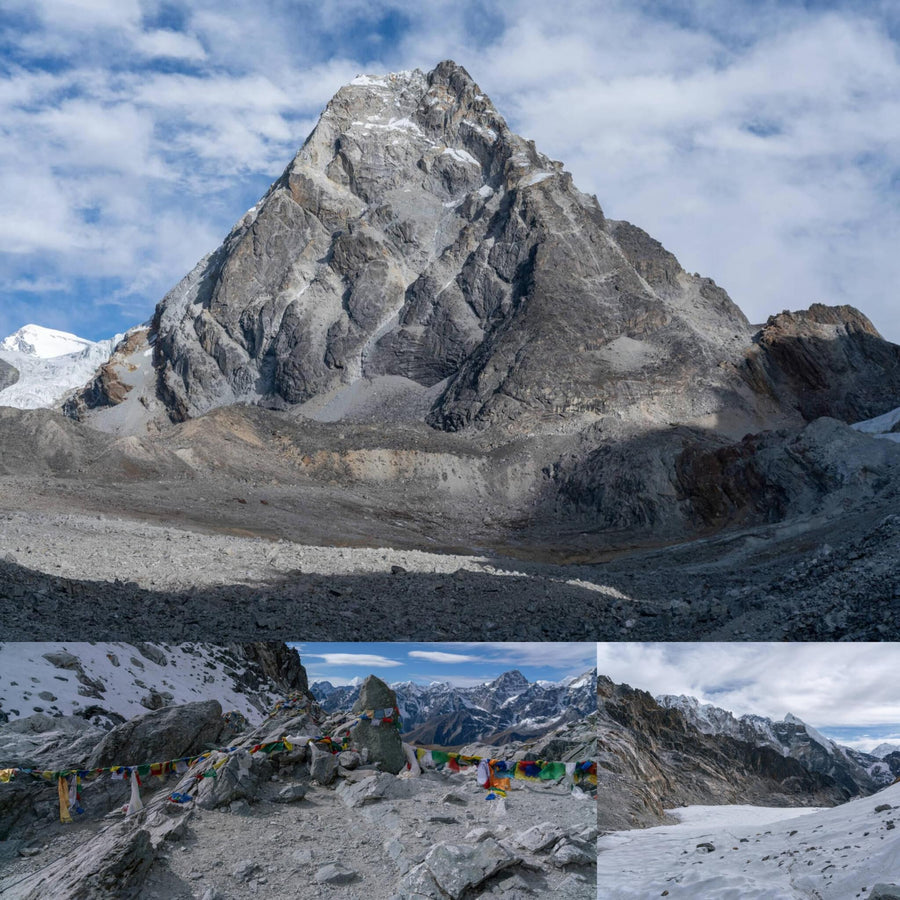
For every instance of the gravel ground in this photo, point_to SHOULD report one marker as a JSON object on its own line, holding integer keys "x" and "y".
{"x": 289, "y": 843}
{"x": 832, "y": 578}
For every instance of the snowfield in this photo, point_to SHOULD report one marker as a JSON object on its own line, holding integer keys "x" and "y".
{"x": 759, "y": 853}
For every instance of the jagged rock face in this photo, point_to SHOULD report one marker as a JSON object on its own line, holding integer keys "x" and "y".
{"x": 415, "y": 235}
{"x": 9, "y": 375}
{"x": 279, "y": 663}
{"x": 650, "y": 758}
{"x": 792, "y": 737}
{"x": 825, "y": 361}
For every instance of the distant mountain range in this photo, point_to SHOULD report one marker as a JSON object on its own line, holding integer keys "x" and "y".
{"x": 509, "y": 708}
{"x": 657, "y": 754}
{"x": 855, "y": 771}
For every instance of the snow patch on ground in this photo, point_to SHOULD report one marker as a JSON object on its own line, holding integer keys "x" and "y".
{"x": 759, "y": 853}
{"x": 881, "y": 426}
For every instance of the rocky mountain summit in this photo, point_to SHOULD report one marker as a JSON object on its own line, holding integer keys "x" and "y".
{"x": 424, "y": 336}
{"x": 300, "y": 805}
{"x": 509, "y": 708}
{"x": 653, "y": 758}
{"x": 855, "y": 771}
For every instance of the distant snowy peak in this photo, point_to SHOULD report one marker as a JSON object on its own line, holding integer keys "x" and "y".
{"x": 50, "y": 364}
{"x": 883, "y": 750}
{"x": 792, "y": 737}
{"x": 440, "y": 713}
{"x": 44, "y": 343}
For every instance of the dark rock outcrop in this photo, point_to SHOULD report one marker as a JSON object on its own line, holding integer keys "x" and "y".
{"x": 650, "y": 758}
{"x": 167, "y": 733}
{"x": 381, "y": 741}
{"x": 9, "y": 375}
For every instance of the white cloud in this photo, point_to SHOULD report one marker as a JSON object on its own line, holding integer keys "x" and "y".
{"x": 170, "y": 44}
{"x": 439, "y": 657}
{"x": 573, "y": 657}
{"x": 823, "y": 684}
{"x": 356, "y": 659}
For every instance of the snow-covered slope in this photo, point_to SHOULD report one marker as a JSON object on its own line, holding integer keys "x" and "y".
{"x": 882, "y": 750}
{"x": 757, "y": 854}
{"x": 109, "y": 682}
{"x": 885, "y": 426}
{"x": 50, "y": 365}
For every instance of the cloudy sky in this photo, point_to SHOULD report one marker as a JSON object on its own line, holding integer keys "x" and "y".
{"x": 463, "y": 664}
{"x": 850, "y": 692}
{"x": 758, "y": 140}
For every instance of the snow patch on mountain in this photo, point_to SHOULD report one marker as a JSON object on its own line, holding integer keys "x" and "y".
{"x": 50, "y": 365}
{"x": 884, "y": 426}
{"x": 103, "y": 681}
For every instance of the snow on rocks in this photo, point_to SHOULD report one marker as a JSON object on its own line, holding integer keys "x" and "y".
{"x": 50, "y": 365}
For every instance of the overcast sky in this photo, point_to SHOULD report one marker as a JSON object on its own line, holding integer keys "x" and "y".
{"x": 850, "y": 692}
{"x": 757, "y": 140}
{"x": 463, "y": 664}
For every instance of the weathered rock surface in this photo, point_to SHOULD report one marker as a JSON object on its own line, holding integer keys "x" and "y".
{"x": 9, "y": 375}
{"x": 651, "y": 759}
{"x": 167, "y": 733}
{"x": 382, "y": 741}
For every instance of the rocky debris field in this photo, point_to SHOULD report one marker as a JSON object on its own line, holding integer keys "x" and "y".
{"x": 57, "y": 570}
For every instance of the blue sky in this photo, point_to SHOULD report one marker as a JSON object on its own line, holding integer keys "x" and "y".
{"x": 759, "y": 141}
{"x": 463, "y": 664}
{"x": 849, "y": 692}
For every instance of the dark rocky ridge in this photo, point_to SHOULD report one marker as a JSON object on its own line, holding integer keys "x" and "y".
{"x": 414, "y": 235}
{"x": 9, "y": 375}
{"x": 652, "y": 759}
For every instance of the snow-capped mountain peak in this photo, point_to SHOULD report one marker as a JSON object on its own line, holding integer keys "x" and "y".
{"x": 44, "y": 343}
{"x": 47, "y": 365}
{"x": 883, "y": 750}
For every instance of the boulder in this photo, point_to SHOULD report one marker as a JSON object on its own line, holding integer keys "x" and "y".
{"x": 322, "y": 765}
{"x": 885, "y": 892}
{"x": 240, "y": 778}
{"x": 162, "y": 734}
{"x": 381, "y": 741}
{"x": 450, "y": 870}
